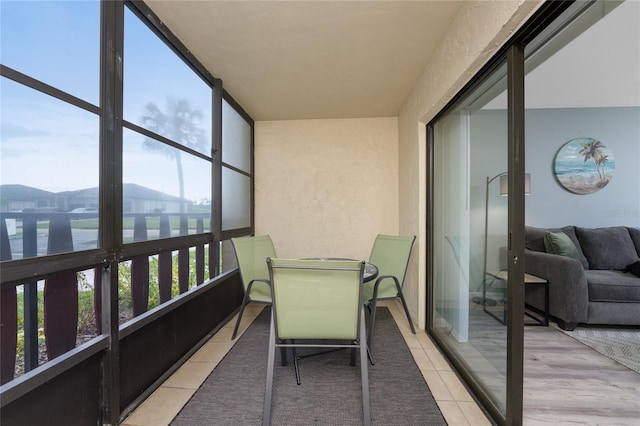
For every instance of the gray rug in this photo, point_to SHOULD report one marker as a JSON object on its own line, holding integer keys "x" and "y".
{"x": 621, "y": 345}
{"x": 330, "y": 393}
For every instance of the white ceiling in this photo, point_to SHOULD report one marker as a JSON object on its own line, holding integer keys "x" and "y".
{"x": 286, "y": 60}
{"x": 599, "y": 67}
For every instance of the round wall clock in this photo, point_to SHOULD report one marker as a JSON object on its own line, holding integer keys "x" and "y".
{"x": 584, "y": 165}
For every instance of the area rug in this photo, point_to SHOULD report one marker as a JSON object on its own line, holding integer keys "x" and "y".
{"x": 621, "y": 345}
{"x": 330, "y": 393}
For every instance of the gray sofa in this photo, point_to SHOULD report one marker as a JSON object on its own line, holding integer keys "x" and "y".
{"x": 595, "y": 288}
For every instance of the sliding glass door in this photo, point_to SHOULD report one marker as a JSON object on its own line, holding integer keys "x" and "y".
{"x": 581, "y": 89}
{"x": 469, "y": 235}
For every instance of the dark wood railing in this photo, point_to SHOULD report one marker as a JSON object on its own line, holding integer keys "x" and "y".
{"x": 61, "y": 290}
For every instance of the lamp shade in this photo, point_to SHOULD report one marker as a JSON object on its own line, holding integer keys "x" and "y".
{"x": 504, "y": 184}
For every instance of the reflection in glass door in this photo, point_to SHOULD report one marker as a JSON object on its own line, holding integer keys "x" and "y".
{"x": 469, "y": 236}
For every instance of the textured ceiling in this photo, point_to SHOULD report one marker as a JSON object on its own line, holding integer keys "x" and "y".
{"x": 287, "y": 60}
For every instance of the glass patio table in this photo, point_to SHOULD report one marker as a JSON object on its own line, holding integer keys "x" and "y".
{"x": 370, "y": 270}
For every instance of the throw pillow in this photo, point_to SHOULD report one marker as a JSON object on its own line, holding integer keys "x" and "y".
{"x": 635, "y": 237}
{"x": 534, "y": 240}
{"x": 560, "y": 243}
{"x": 608, "y": 248}
{"x": 634, "y": 268}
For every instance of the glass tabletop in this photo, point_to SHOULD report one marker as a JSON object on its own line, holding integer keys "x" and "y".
{"x": 370, "y": 270}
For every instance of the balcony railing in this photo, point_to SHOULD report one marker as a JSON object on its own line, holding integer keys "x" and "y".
{"x": 45, "y": 324}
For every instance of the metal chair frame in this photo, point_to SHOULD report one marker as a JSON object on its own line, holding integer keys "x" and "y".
{"x": 244, "y": 247}
{"x": 397, "y": 281}
{"x": 309, "y": 319}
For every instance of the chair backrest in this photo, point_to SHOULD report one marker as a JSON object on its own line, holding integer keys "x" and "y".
{"x": 316, "y": 299}
{"x": 390, "y": 254}
{"x": 252, "y": 254}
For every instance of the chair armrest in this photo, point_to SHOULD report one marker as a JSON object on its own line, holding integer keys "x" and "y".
{"x": 256, "y": 295}
{"x": 568, "y": 291}
{"x": 388, "y": 292}
{"x": 267, "y": 282}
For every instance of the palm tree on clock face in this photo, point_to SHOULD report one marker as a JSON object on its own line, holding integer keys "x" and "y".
{"x": 179, "y": 123}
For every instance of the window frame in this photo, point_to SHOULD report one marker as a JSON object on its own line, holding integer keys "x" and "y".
{"x": 111, "y": 250}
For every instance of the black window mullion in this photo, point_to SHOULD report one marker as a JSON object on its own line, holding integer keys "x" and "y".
{"x": 142, "y": 11}
{"x": 174, "y": 144}
{"x": 515, "y": 296}
{"x": 38, "y": 85}
{"x": 110, "y": 192}
{"x": 216, "y": 178}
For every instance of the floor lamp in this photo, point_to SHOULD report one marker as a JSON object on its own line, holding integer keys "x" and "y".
{"x": 504, "y": 191}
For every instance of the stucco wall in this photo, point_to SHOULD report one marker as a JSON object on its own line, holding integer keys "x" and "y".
{"x": 479, "y": 30}
{"x": 326, "y": 187}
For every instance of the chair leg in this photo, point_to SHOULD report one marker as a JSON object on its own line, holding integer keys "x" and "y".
{"x": 266, "y": 414}
{"x": 372, "y": 320}
{"x": 295, "y": 363}
{"x": 245, "y": 301}
{"x": 406, "y": 311}
{"x": 364, "y": 373}
{"x": 370, "y": 355}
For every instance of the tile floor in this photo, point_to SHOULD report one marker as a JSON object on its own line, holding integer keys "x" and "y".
{"x": 455, "y": 402}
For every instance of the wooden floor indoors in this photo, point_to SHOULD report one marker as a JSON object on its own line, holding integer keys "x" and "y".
{"x": 566, "y": 383}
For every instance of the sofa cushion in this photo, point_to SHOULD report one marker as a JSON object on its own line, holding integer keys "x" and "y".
{"x": 613, "y": 286}
{"x": 634, "y": 268}
{"x": 559, "y": 243}
{"x": 607, "y": 248}
{"x": 635, "y": 236}
{"x": 534, "y": 240}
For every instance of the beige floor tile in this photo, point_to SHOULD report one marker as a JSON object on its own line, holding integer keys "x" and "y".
{"x": 425, "y": 340}
{"x": 160, "y": 408}
{"x": 455, "y": 386}
{"x": 452, "y": 413}
{"x": 190, "y": 375}
{"x": 394, "y": 306}
{"x": 436, "y": 386}
{"x": 253, "y": 309}
{"x": 437, "y": 359}
{"x": 389, "y": 304}
{"x": 401, "y": 321}
{"x": 212, "y": 351}
{"x": 421, "y": 359}
{"x": 244, "y": 325}
{"x": 412, "y": 340}
{"x": 473, "y": 414}
{"x": 250, "y": 313}
{"x": 223, "y": 335}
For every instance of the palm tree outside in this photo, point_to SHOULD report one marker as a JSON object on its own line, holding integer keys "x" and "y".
{"x": 179, "y": 123}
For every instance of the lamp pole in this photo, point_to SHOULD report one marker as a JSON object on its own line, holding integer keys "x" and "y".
{"x": 503, "y": 191}
{"x": 486, "y": 236}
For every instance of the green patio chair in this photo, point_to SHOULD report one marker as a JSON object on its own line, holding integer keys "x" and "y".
{"x": 252, "y": 254}
{"x": 391, "y": 255}
{"x": 317, "y": 302}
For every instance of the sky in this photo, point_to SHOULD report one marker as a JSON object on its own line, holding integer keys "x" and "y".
{"x": 49, "y": 144}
